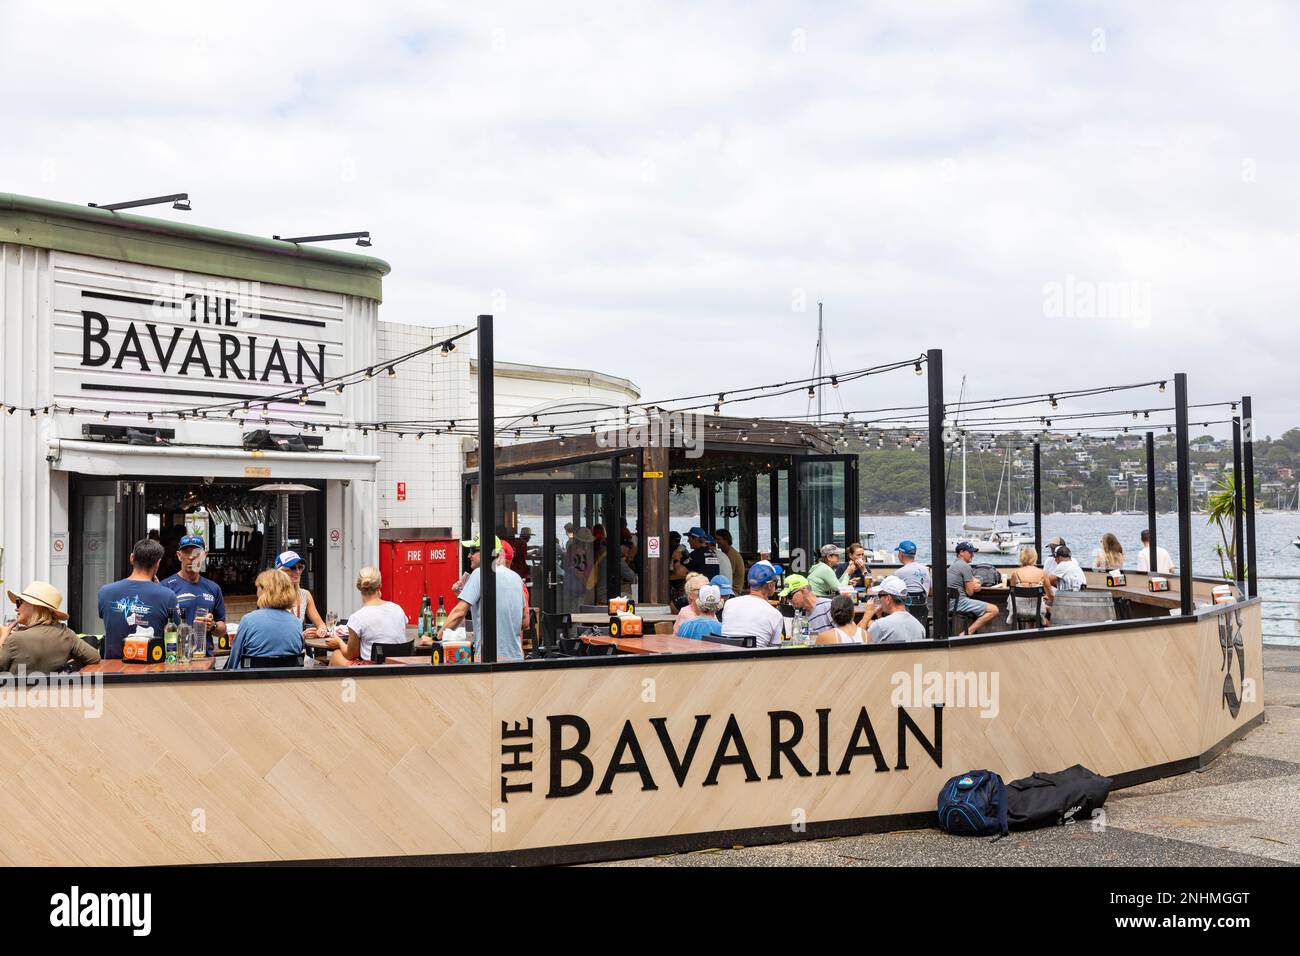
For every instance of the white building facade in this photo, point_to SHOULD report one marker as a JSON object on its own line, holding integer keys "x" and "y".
{"x": 113, "y": 322}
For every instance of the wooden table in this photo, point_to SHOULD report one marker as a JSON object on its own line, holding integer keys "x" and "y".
{"x": 1165, "y": 600}
{"x": 116, "y": 666}
{"x": 659, "y": 644}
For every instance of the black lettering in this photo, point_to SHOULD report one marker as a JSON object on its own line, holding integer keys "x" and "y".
{"x": 98, "y": 337}
{"x": 681, "y": 767}
{"x": 131, "y": 346}
{"x": 230, "y": 352}
{"x": 731, "y": 733}
{"x": 627, "y": 741}
{"x": 779, "y": 746}
{"x": 318, "y": 371}
{"x": 252, "y": 358}
{"x": 873, "y": 745}
{"x": 276, "y": 361}
{"x": 230, "y": 312}
{"x": 574, "y": 754}
{"x": 164, "y": 358}
{"x": 823, "y": 741}
{"x": 935, "y": 749}
{"x": 196, "y": 349}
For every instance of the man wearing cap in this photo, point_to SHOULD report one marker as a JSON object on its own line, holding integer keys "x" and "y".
{"x": 961, "y": 577}
{"x": 702, "y": 559}
{"x": 1049, "y": 563}
{"x": 895, "y": 624}
{"x": 803, "y": 598}
{"x": 198, "y": 598}
{"x": 915, "y": 576}
{"x": 39, "y": 642}
{"x": 750, "y": 615}
{"x": 509, "y": 604}
{"x": 137, "y": 601}
{"x": 825, "y": 582}
{"x": 304, "y": 609}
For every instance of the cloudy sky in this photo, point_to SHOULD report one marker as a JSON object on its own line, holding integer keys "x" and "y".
{"x": 1055, "y": 194}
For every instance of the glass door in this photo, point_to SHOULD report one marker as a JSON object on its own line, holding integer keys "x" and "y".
{"x": 828, "y": 501}
{"x": 587, "y": 567}
{"x": 107, "y": 520}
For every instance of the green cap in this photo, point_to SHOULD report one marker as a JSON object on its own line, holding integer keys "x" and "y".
{"x": 474, "y": 543}
{"x": 794, "y": 582}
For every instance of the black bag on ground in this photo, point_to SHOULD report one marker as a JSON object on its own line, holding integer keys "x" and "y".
{"x": 1050, "y": 799}
{"x": 987, "y": 575}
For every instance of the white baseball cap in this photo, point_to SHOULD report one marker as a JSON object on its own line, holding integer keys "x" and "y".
{"x": 710, "y": 597}
{"x": 894, "y": 586}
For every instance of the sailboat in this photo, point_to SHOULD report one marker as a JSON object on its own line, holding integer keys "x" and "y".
{"x": 1002, "y": 540}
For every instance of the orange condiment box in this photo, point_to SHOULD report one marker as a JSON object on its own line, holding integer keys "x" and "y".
{"x": 143, "y": 650}
{"x": 1115, "y": 579}
{"x": 624, "y": 625}
{"x": 1158, "y": 584}
{"x": 617, "y": 605}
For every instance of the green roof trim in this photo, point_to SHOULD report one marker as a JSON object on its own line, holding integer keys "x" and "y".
{"x": 85, "y": 230}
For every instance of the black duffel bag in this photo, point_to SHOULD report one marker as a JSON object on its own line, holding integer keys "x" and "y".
{"x": 1050, "y": 799}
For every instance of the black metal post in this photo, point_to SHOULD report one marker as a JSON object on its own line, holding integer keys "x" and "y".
{"x": 487, "y": 493}
{"x": 1151, "y": 504}
{"x": 1238, "y": 537}
{"x": 1038, "y": 500}
{"x": 938, "y": 498}
{"x": 1184, "y": 495}
{"x": 1248, "y": 475}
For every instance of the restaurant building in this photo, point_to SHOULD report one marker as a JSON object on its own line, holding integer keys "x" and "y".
{"x": 116, "y": 325}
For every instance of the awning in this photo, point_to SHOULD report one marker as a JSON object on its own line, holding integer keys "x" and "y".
{"x": 202, "y": 461}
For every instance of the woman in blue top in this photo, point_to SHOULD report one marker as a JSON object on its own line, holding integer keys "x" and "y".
{"x": 706, "y": 622}
{"x": 272, "y": 630}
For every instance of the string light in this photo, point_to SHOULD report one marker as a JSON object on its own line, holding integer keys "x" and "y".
{"x": 392, "y": 372}
{"x": 918, "y": 367}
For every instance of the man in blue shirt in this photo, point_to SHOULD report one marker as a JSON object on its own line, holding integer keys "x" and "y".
{"x": 509, "y": 601}
{"x": 137, "y": 600}
{"x": 197, "y": 596}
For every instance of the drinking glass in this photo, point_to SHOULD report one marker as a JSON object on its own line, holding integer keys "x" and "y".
{"x": 184, "y": 646}
{"x": 199, "y": 637}
{"x": 331, "y": 622}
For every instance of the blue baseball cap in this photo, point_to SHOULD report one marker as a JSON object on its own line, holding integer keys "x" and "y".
{"x": 190, "y": 541}
{"x": 907, "y": 547}
{"x": 760, "y": 574}
{"x": 288, "y": 559}
{"x": 965, "y": 546}
{"x": 724, "y": 585}
{"x": 697, "y": 532}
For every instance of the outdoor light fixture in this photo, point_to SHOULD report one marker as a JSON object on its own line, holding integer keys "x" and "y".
{"x": 835, "y": 382}
{"x": 362, "y": 238}
{"x": 392, "y": 372}
{"x": 1162, "y": 386}
{"x": 338, "y": 388}
{"x": 918, "y": 367}
{"x": 179, "y": 201}
{"x": 370, "y": 372}
{"x": 1053, "y": 399}
{"x": 302, "y": 398}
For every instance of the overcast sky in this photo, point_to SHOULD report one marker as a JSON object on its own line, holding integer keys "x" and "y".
{"x": 1057, "y": 195}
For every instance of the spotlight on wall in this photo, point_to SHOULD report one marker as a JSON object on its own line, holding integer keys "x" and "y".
{"x": 362, "y": 238}
{"x": 179, "y": 201}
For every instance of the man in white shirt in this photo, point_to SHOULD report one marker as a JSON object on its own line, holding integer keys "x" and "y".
{"x": 1164, "y": 563}
{"x": 750, "y": 615}
{"x": 1067, "y": 575}
{"x": 1049, "y": 563}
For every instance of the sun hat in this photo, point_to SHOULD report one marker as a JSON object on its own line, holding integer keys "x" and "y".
{"x": 41, "y": 594}
{"x": 795, "y": 582}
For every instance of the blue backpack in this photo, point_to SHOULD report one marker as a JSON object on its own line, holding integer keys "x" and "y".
{"x": 974, "y": 804}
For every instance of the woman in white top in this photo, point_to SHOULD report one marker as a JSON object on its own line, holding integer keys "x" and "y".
{"x": 846, "y": 630}
{"x": 376, "y": 622}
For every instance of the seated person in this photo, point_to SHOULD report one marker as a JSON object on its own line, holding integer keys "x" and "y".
{"x": 805, "y": 600}
{"x": 1028, "y": 575}
{"x": 723, "y": 584}
{"x": 304, "y": 608}
{"x": 1066, "y": 575}
{"x": 914, "y": 574}
{"x": 39, "y": 642}
{"x": 751, "y": 615}
{"x": 376, "y": 622}
{"x": 273, "y": 630}
{"x": 844, "y": 629}
{"x": 895, "y": 623}
{"x": 822, "y": 577}
{"x": 961, "y": 577}
{"x": 856, "y": 572}
{"x": 693, "y": 584}
{"x": 708, "y": 602}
